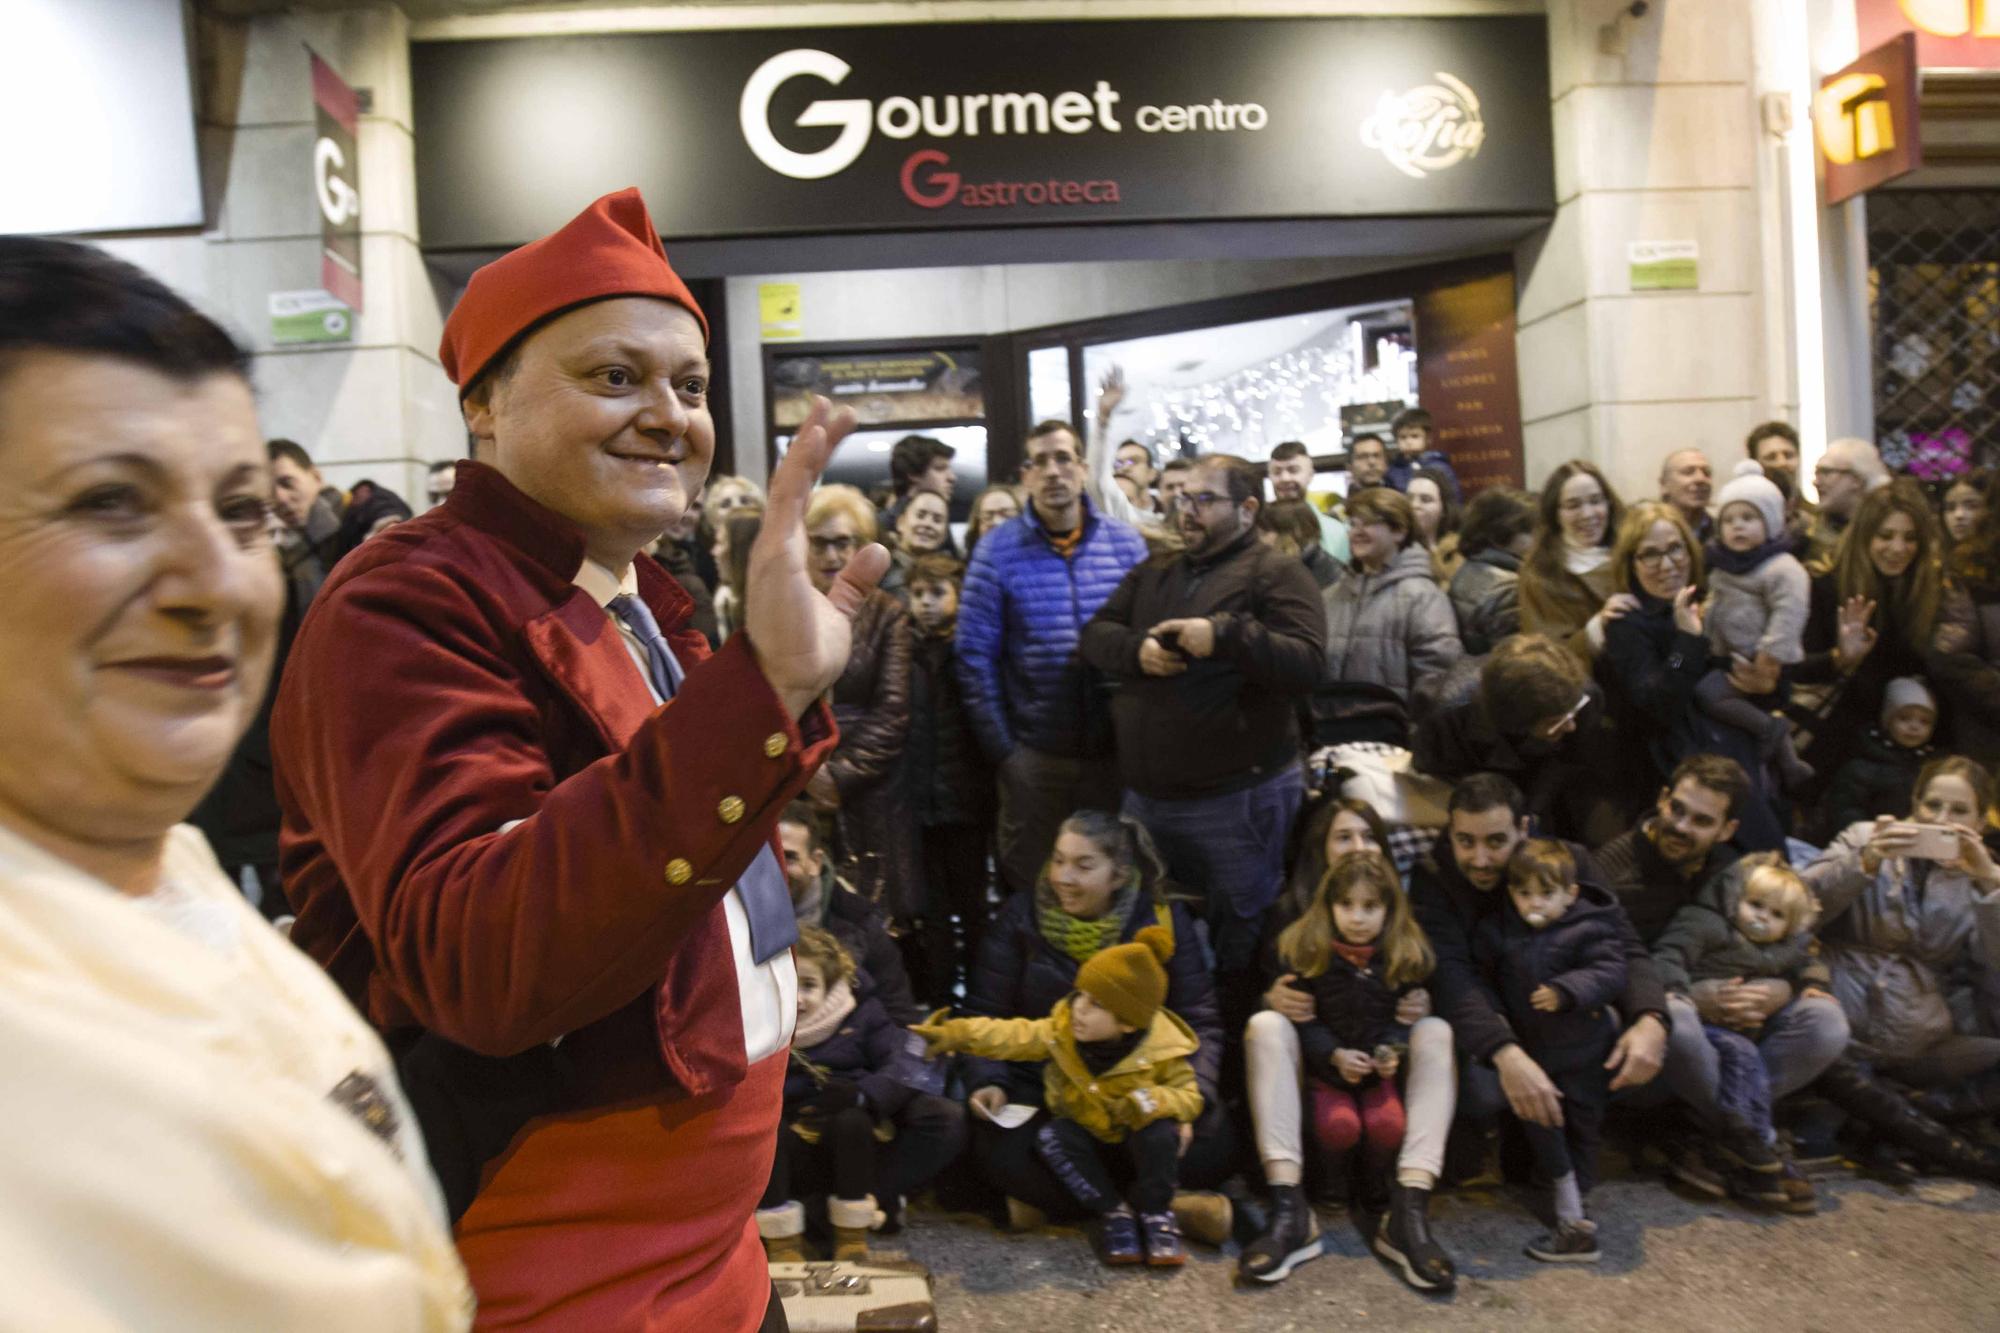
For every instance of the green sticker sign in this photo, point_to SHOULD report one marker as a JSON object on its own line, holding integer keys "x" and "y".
{"x": 1664, "y": 266}
{"x": 309, "y": 317}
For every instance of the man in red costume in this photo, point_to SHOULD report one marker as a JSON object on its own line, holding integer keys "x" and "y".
{"x": 529, "y": 824}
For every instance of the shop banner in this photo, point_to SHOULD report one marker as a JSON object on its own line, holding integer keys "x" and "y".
{"x": 337, "y": 183}
{"x": 1467, "y": 379}
{"x": 801, "y": 131}
{"x": 894, "y": 387}
{"x": 1866, "y": 120}
{"x": 1951, "y": 34}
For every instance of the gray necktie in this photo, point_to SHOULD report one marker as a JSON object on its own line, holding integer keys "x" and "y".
{"x": 767, "y": 901}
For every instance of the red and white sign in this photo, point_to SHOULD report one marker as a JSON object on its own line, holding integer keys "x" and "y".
{"x": 1951, "y": 34}
{"x": 337, "y": 183}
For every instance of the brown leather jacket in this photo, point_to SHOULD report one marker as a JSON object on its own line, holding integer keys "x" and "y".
{"x": 871, "y": 704}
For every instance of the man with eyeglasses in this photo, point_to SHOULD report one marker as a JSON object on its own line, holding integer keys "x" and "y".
{"x": 1213, "y": 650}
{"x": 1846, "y": 472}
{"x": 1040, "y": 713}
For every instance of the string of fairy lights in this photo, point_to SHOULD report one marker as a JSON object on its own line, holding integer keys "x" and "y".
{"x": 1296, "y": 395}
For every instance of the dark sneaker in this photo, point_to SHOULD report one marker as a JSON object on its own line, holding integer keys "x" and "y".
{"x": 1688, "y": 1162}
{"x": 1291, "y": 1239}
{"x": 1569, "y": 1243}
{"x": 1404, "y": 1239}
{"x": 1786, "y": 1189}
{"x": 1116, "y": 1238}
{"x": 1163, "y": 1240}
{"x": 1745, "y": 1150}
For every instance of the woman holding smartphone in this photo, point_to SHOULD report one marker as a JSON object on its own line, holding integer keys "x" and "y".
{"x": 1903, "y": 904}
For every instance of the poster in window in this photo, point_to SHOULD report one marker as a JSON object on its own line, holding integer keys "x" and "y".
{"x": 889, "y": 387}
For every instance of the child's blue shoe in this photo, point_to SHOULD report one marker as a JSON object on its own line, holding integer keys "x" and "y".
{"x": 1163, "y": 1240}
{"x": 1116, "y": 1238}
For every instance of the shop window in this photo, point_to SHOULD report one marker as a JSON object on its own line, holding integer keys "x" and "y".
{"x": 1245, "y": 388}
{"x": 1934, "y": 292}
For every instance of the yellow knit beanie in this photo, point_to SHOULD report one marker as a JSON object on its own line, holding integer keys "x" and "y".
{"x": 1130, "y": 980}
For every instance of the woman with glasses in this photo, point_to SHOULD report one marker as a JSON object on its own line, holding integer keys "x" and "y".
{"x": 862, "y": 785}
{"x": 1655, "y": 654}
{"x": 1566, "y": 585}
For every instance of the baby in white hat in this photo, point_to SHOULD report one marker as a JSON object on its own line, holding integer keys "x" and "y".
{"x": 1759, "y": 596}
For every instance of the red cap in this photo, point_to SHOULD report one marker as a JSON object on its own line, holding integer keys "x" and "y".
{"x": 609, "y": 249}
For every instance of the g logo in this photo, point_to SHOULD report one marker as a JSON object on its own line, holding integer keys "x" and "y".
{"x": 337, "y": 199}
{"x": 852, "y": 115}
{"x": 944, "y": 184}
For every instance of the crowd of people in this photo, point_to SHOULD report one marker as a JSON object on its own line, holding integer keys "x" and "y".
{"x": 1178, "y": 853}
{"x": 1337, "y": 853}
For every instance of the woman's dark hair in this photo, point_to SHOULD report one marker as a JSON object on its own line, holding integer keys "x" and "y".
{"x": 1908, "y": 603}
{"x": 61, "y": 296}
{"x": 1494, "y": 519}
{"x": 1980, "y": 542}
{"x": 1292, "y": 521}
{"x": 1448, "y": 521}
{"x": 1128, "y": 844}
{"x": 912, "y": 456}
{"x": 1307, "y": 853}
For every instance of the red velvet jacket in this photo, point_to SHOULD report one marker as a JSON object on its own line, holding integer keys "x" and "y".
{"x": 449, "y": 679}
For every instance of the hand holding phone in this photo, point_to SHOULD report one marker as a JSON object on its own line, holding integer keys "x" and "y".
{"x": 1931, "y": 842}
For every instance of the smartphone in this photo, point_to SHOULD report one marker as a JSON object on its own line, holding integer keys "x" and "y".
{"x": 1932, "y": 842}
{"x": 1170, "y": 639}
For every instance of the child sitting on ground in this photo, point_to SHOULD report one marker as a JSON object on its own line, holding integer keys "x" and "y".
{"x": 840, "y": 1094}
{"x": 1359, "y": 950}
{"x": 1115, "y": 1076}
{"x": 1556, "y": 959}
{"x": 1752, "y": 921}
{"x": 1879, "y": 778}
{"x": 950, "y": 786}
{"x": 1759, "y": 597}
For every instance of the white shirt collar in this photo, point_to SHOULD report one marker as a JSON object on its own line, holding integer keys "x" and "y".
{"x": 602, "y": 584}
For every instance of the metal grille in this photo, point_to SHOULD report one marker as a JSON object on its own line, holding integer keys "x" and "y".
{"x": 1934, "y": 293}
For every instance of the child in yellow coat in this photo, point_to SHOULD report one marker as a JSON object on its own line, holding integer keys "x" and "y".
{"x": 1115, "y": 1076}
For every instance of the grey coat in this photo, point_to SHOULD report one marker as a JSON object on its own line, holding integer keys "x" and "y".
{"x": 1485, "y": 595}
{"x": 1390, "y": 628}
{"x": 1892, "y": 940}
{"x": 1762, "y": 611}
{"x": 1702, "y": 943}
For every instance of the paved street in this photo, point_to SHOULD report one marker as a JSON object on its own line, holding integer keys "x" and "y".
{"x": 1872, "y": 1261}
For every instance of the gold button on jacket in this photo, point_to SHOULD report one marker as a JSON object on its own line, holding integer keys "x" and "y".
{"x": 774, "y": 745}
{"x": 731, "y": 809}
{"x": 679, "y": 871}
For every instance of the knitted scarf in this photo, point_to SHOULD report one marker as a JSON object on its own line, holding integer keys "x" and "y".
{"x": 1742, "y": 562}
{"x": 824, "y": 1021}
{"x": 1077, "y": 939}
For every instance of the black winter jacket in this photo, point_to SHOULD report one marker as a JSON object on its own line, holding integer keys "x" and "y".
{"x": 866, "y": 1050}
{"x": 944, "y": 768}
{"x": 1451, "y": 911}
{"x": 1353, "y": 1007}
{"x": 1019, "y": 974}
{"x": 1582, "y": 954}
{"x": 1229, "y": 721}
{"x": 1649, "y": 889}
{"x": 863, "y": 930}
{"x": 1856, "y": 704}
{"x": 1878, "y": 780}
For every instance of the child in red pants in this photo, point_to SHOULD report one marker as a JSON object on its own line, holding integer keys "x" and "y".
{"x": 1359, "y": 949}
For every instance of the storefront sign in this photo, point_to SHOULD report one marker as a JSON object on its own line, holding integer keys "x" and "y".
{"x": 1951, "y": 34}
{"x": 1664, "y": 266}
{"x": 778, "y": 311}
{"x": 899, "y": 386}
{"x": 309, "y": 317}
{"x": 1865, "y": 118}
{"x": 337, "y": 184}
{"x": 955, "y": 125}
{"x": 1468, "y": 381}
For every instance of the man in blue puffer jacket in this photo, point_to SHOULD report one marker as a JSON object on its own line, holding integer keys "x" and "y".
{"x": 1039, "y": 710}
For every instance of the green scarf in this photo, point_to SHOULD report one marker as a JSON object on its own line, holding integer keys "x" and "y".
{"x": 1078, "y": 939}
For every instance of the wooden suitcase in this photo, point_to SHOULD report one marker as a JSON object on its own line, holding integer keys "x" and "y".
{"x": 875, "y": 1296}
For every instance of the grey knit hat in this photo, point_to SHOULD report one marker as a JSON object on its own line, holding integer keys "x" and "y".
{"x": 1748, "y": 485}
{"x": 1906, "y": 692}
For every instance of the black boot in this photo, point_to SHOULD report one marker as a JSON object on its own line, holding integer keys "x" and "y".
{"x": 1291, "y": 1239}
{"x": 1850, "y": 1085}
{"x": 1374, "y": 1175}
{"x": 1969, "y": 1099}
{"x": 1404, "y": 1239}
